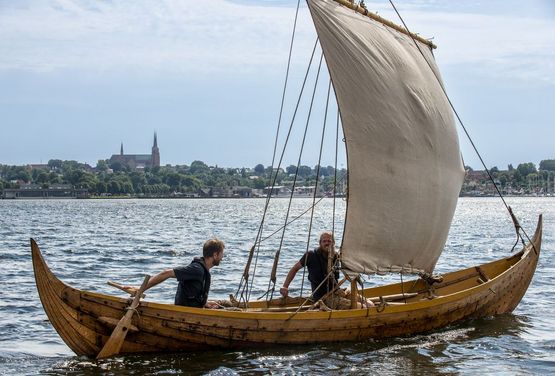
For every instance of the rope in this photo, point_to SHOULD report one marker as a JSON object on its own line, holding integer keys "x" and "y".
{"x": 134, "y": 311}
{"x": 312, "y": 293}
{"x": 245, "y": 274}
{"x": 317, "y": 180}
{"x": 293, "y": 220}
{"x": 281, "y": 160}
{"x": 517, "y": 228}
{"x": 285, "y": 85}
{"x": 276, "y": 257}
{"x": 458, "y": 117}
{"x": 335, "y": 175}
{"x": 303, "y": 213}
{"x": 335, "y": 166}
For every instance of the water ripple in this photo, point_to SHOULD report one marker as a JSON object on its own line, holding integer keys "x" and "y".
{"x": 88, "y": 242}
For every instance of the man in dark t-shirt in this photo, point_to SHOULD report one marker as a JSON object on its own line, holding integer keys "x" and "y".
{"x": 317, "y": 264}
{"x": 194, "y": 279}
{"x": 194, "y": 284}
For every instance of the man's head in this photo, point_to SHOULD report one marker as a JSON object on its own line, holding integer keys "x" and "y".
{"x": 326, "y": 240}
{"x": 213, "y": 248}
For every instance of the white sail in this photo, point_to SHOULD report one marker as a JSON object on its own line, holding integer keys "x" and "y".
{"x": 404, "y": 163}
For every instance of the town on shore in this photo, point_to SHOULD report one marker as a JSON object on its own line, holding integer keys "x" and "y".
{"x": 71, "y": 179}
{"x": 142, "y": 176}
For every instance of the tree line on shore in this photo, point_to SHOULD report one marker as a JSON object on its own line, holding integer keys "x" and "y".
{"x": 524, "y": 179}
{"x": 117, "y": 179}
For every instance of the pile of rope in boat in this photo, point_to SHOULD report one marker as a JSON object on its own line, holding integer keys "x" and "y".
{"x": 518, "y": 227}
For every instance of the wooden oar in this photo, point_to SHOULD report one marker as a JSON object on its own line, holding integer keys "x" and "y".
{"x": 114, "y": 343}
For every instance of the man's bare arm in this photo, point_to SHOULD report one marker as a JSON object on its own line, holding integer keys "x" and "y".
{"x": 292, "y": 273}
{"x": 153, "y": 281}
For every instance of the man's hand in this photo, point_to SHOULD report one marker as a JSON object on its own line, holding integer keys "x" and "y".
{"x": 212, "y": 305}
{"x": 284, "y": 291}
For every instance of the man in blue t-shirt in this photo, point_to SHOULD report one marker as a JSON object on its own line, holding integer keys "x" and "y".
{"x": 194, "y": 279}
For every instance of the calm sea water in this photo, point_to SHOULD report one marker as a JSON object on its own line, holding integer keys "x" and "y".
{"x": 87, "y": 242}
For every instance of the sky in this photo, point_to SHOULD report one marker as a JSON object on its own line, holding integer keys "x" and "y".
{"x": 79, "y": 77}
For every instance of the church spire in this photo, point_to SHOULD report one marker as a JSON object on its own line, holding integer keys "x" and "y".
{"x": 155, "y": 156}
{"x": 121, "y": 149}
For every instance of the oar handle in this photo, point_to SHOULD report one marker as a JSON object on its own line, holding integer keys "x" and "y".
{"x": 140, "y": 294}
{"x": 124, "y": 288}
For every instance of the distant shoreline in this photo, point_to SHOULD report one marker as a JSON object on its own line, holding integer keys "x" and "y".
{"x": 220, "y": 198}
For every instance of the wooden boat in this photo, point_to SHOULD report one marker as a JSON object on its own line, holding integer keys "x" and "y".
{"x": 85, "y": 320}
{"x": 404, "y": 164}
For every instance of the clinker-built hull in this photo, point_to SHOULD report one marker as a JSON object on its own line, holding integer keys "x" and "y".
{"x": 85, "y": 320}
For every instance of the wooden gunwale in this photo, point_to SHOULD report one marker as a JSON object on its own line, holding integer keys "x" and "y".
{"x": 163, "y": 327}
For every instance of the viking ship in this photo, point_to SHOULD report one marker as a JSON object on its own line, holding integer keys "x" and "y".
{"x": 405, "y": 174}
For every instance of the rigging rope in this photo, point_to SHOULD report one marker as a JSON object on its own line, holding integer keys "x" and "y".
{"x": 517, "y": 225}
{"x": 316, "y": 289}
{"x": 335, "y": 174}
{"x": 303, "y": 213}
{"x": 317, "y": 181}
{"x": 260, "y": 229}
{"x": 279, "y": 121}
{"x": 271, "y": 188}
{"x": 276, "y": 257}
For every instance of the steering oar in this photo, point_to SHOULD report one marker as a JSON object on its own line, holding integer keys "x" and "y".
{"x": 114, "y": 343}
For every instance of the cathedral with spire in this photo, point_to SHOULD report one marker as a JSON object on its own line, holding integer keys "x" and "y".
{"x": 138, "y": 161}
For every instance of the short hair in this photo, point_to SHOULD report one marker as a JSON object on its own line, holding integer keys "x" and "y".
{"x": 212, "y": 246}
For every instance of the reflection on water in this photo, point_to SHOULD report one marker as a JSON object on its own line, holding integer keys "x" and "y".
{"x": 89, "y": 242}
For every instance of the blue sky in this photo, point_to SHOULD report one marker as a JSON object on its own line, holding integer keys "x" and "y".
{"x": 79, "y": 77}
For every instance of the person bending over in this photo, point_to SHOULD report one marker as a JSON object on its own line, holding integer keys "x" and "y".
{"x": 194, "y": 279}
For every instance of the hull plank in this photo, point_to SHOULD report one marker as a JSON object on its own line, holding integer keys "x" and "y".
{"x": 85, "y": 320}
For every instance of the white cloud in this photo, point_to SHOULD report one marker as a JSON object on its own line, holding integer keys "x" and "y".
{"x": 509, "y": 46}
{"x": 498, "y": 38}
{"x": 136, "y": 35}
{"x": 219, "y": 35}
